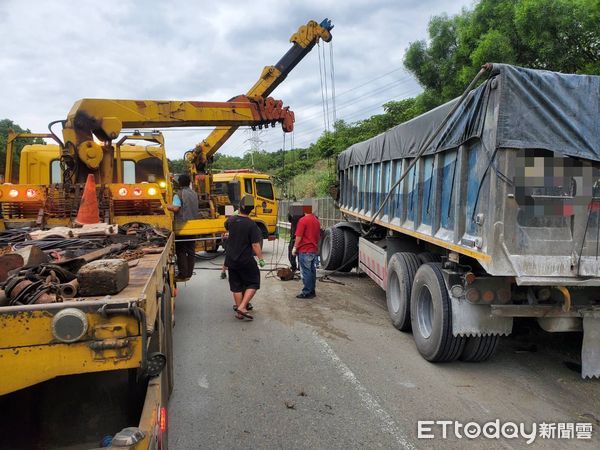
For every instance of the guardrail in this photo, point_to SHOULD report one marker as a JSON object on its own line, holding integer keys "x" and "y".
{"x": 323, "y": 207}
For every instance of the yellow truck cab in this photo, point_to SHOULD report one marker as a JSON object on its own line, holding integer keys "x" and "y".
{"x": 236, "y": 183}
{"x": 227, "y": 189}
{"x": 40, "y": 164}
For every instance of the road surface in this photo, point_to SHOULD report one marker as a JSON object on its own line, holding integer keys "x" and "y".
{"x": 333, "y": 373}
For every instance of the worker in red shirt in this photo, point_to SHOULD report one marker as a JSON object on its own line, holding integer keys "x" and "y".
{"x": 308, "y": 232}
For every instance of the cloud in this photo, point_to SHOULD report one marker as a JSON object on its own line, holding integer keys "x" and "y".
{"x": 57, "y": 52}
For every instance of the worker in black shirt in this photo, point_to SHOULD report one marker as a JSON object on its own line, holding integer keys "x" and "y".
{"x": 293, "y": 220}
{"x": 243, "y": 243}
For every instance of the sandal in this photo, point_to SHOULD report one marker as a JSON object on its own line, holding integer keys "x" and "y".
{"x": 250, "y": 307}
{"x": 245, "y": 314}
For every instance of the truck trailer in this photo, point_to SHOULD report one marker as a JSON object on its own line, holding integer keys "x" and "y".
{"x": 498, "y": 217}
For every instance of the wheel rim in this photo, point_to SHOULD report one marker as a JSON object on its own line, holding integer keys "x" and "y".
{"x": 326, "y": 248}
{"x": 425, "y": 312}
{"x": 394, "y": 290}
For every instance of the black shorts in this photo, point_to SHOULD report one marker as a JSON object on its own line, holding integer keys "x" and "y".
{"x": 242, "y": 277}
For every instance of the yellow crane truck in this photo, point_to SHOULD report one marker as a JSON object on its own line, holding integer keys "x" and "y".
{"x": 211, "y": 189}
{"x": 85, "y": 370}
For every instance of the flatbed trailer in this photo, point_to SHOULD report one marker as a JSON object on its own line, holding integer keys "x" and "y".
{"x": 123, "y": 335}
{"x": 88, "y": 371}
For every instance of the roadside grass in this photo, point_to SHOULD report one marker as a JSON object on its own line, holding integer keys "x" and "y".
{"x": 312, "y": 183}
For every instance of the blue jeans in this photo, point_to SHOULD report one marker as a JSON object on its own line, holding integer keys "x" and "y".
{"x": 308, "y": 268}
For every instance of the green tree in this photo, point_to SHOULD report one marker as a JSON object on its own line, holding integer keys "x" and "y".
{"x": 178, "y": 166}
{"x": 5, "y": 126}
{"x": 560, "y": 35}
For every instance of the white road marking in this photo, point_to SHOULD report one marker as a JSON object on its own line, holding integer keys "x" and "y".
{"x": 386, "y": 421}
{"x": 203, "y": 382}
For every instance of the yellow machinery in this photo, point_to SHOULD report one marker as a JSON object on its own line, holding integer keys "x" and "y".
{"x": 41, "y": 197}
{"x": 213, "y": 196}
{"x": 128, "y": 331}
{"x": 303, "y": 40}
{"x": 131, "y": 329}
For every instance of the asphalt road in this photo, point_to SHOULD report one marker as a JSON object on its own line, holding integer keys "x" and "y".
{"x": 333, "y": 373}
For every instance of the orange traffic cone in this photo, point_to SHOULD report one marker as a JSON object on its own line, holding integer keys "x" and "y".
{"x": 88, "y": 209}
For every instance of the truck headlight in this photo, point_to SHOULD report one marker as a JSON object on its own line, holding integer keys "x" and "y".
{"x": 69, "y": 325}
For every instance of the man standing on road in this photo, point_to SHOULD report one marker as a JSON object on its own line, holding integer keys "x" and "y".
{"x": 185, "y": 207}
{"x": 242, "y": 244}
{"x": 308, "y": 232}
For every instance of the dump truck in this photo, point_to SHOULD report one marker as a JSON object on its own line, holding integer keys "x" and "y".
{"x": 483, "y": 210}
{"x": 86, "y": 312}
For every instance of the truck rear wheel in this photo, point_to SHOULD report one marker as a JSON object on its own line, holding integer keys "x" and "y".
{"x": 431, "y": 316}
{"x": 401, "y": 273}
{"x": 350, "y": 251}
{"x": 479, "y": 348}
{"x": 332, "y": 248}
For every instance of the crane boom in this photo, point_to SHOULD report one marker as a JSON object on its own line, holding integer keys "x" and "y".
{"x": 303, "y": 40}
{"x": 105, "y": 118}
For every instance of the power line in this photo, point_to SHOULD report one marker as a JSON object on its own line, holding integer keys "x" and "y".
{"x": 366, "y": 94}
{"x": 371, "y": 80}
{"x": 309, "y": 139}
{"x": 378, "y": 105}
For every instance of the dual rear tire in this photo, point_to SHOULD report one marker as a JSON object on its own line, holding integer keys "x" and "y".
{"x": 402, "y": 268}
{"x": 339, "y": 249}
{"x": 431, "y": 316}
{"x": 417, "y": 298}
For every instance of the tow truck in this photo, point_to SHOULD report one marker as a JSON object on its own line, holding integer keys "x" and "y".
{"x": 85, "y": 370}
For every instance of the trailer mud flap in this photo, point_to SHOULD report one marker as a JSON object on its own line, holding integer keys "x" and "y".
{"x": 590, "y": 350}
{"x": 477, "y": 320}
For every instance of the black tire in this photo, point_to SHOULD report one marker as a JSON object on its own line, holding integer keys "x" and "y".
{"x": 350, "y": 259}
{"x": 332, "y": 248}
{"x": 400, "y": 275}
{"x": 431, "y": 316}
{"x": 427, "y": 257}
{"x": 479, "y": 348}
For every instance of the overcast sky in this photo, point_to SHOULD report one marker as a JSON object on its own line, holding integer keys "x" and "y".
{"x": 55, "y": 52}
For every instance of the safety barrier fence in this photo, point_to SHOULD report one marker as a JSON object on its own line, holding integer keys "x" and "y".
{"x": 323, "y": 207}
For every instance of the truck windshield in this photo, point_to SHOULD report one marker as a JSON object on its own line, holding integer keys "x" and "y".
{"x": 231, "y": 189}
{"x": 264, "y": 188}
{"x": 148, "y": 170}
